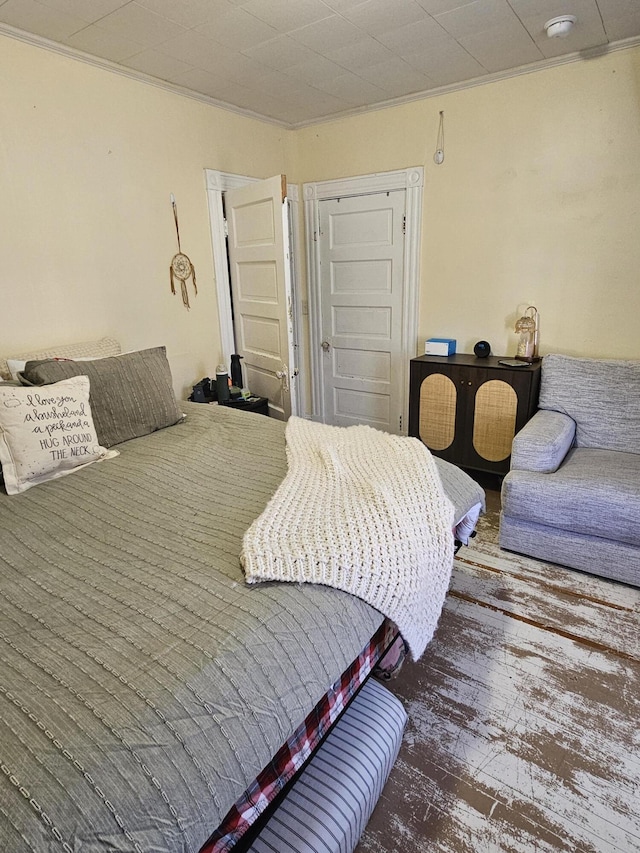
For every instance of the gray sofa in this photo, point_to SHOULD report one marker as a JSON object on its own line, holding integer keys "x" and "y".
{"x": 572, "y": 495}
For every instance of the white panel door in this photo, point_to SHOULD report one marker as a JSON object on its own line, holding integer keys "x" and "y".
{"x": 361, "y": 269}
{"x": 258, "y": 246}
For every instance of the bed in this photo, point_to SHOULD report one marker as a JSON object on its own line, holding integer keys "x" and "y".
{"x": 151, "y": 700}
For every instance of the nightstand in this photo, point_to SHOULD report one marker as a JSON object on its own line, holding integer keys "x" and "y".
{"x": 259, "y": 405}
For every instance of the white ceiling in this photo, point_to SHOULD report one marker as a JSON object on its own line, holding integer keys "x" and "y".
{"x": 296, "y": 62}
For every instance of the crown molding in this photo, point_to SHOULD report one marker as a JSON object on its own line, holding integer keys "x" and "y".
{"x": 495, "y": 77}
{"x": 485, "y": 79}
{"x": 131, "y": 74}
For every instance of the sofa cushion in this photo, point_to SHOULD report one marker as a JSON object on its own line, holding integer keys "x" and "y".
{"x": 594, "y": 554}
{"x": 601, "y": 395}
{"x": 595, "y": 492}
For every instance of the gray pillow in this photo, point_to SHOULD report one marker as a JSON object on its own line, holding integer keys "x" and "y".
{"x": 131, "y": 395}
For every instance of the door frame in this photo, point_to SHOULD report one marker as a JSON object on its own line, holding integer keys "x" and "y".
{"x": 412, "y": 181}
{"x": 217, "y": 183}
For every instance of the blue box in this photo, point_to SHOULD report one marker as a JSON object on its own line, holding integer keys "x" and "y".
{"x": 440, "y": 346}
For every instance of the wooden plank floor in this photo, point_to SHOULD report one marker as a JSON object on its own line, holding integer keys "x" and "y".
{"x": 524, "y": 714}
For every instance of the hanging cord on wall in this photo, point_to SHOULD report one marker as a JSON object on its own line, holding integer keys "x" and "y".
{"x": 438, "y": 157}
{"x": 175, "y": 219}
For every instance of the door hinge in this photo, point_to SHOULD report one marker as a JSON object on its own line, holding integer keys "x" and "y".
{"x": 225, "y": 227}
{"x": 404, "y": 224}
{"x": 400, "y": 424}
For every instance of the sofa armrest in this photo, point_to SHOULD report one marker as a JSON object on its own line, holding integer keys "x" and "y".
{"x": 543, "y": 442}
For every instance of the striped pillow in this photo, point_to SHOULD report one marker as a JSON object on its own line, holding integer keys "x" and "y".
{"x": 131, "y": 394}
{"x": 329, "y": 805}
{"x": 86, "y": 349}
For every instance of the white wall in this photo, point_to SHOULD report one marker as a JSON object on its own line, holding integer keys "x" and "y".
{"x": 88, "y": 160}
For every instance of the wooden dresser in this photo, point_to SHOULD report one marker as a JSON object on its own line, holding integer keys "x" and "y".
{"x": 468, "y": 409}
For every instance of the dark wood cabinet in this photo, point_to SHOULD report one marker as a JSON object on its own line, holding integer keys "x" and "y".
{"x": 468, "y": 409}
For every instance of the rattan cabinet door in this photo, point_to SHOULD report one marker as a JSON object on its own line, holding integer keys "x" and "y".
{"x": 436, "y": 407}
{"x": 498, "y": 404}
{"x": 438, "y": 410}
{"x": 494, "y": 420}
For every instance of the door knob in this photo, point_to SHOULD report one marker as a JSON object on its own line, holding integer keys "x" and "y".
{"x": 283, "y": 376}
{"x": 326, "y": 346}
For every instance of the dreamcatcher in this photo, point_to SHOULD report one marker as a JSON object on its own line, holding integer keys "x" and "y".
{"x": 181, "y": 267}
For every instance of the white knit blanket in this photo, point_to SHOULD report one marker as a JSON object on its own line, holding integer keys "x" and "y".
{"x": 364, "y": 512}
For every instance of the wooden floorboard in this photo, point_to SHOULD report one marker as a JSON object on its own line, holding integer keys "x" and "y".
{"x": 524, "y": 712}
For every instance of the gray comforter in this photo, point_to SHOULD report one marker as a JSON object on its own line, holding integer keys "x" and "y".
{"x": 143, "y": 685}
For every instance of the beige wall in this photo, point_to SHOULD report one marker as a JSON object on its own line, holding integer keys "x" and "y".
{"x": 88, "y": 162}
{"x": 537, "y": 201}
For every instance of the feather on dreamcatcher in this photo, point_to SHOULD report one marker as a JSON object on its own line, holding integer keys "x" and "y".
{"x": 181, "y": 267}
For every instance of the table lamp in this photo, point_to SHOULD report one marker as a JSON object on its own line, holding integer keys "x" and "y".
{"x": 527, "y": 329}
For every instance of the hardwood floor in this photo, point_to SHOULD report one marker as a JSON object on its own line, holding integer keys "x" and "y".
{"x": 524, "y": 713}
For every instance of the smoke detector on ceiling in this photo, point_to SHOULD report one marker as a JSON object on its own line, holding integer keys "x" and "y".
{"x": 560, "y": 27}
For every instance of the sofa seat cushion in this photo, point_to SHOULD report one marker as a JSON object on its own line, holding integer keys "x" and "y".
{"x": 595, "y": 492}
